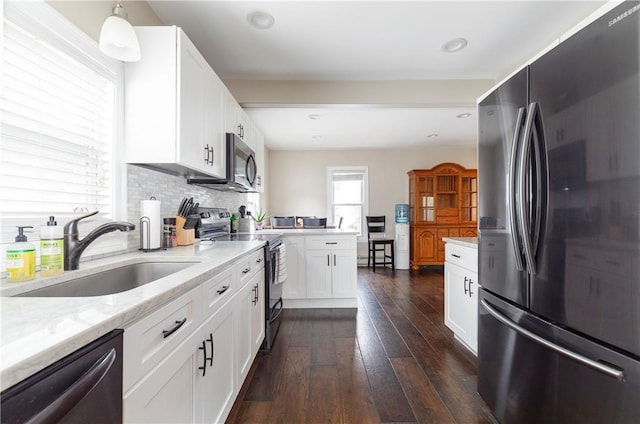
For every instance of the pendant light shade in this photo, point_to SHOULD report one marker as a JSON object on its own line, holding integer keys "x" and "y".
{"x": 117, "y": 37}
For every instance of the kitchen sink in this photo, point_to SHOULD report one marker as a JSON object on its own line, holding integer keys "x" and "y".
{"x": 112, "y": 281}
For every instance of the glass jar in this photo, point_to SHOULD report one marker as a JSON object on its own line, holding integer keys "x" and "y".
{"x": 169, "y": 233}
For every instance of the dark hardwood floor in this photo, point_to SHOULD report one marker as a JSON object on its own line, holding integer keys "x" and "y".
{"x": 391, "y": 361}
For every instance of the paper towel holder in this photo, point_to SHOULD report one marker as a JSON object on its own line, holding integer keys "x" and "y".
{"x": 145, "y": 222}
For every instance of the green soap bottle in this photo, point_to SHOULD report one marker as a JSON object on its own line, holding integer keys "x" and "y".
{"x": 51, "y": 249}
{"x": 21, "y": 258}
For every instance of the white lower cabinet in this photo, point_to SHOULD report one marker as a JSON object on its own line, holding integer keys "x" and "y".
{"x": 321, "y": 271}
{"x": 251, "y": 316}
{"x": 331, "y": 267}
{"x": 167, "y": 393}
{"x": 461, "y": 294}
{"x": 296, "y": 285}
{"x": 185, "y": 362}
{"x": 215, "y": 383}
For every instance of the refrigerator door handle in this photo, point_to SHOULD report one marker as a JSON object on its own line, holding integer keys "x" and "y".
{"x": 511, "y": 189}
{"x": 598, "y": 366}
{"x": 541, "y": 177}
{"x": 523, "y": 212}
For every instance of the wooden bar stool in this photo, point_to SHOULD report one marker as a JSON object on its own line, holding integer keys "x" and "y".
{"x": 376, "y": 225}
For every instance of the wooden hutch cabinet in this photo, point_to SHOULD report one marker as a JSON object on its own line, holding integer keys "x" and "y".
{"x": 443, "y": 202}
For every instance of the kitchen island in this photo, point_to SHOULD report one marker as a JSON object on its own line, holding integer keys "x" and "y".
{"x": 321, "y": 268}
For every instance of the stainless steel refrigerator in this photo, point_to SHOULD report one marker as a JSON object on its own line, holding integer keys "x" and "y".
{"x": 559, "y": 232}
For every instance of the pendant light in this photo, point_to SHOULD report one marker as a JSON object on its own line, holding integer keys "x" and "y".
{"x": 117, "y": 37}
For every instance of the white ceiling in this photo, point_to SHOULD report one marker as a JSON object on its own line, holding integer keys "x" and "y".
{"x": 370, "y": 40}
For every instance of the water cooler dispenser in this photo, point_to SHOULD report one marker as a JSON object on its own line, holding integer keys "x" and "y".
{"x": 402, "y": 236}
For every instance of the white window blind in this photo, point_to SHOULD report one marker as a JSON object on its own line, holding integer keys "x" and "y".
{"x": 348, "y": 195}
{"x": 59, "y": 107}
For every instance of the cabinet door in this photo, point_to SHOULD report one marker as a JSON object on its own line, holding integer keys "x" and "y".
{"x": 319, "y": 273}
{"x": 215, "y": 142}
{"x": 257, "y": 314}
{"x": 461, "y": 307}
{"x": 296, "y": 285}
{"x": 215, "y": 385}
{"x": 344, "y": 274}
{"x": 192, "y": 86}
{"x": 425, "y": 244}
{"x": 244, "y": 301}
{"x": 166, "y": 394}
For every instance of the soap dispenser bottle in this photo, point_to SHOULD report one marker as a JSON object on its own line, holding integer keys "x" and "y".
{"x": 51, "y": 249}
{"x": 21, "y": 258}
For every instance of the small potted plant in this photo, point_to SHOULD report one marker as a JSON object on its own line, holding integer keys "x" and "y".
{"x": 259, "y": 218}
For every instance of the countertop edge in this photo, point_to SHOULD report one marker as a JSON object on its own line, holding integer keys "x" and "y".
{"x": 36, "y": 332}
{"x": 471, "y": 242}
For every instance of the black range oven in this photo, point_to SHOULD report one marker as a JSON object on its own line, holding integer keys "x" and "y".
{"x": 214, "y": 226}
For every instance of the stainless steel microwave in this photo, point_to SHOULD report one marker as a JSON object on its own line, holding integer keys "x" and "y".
{"x": 241, "y": 168}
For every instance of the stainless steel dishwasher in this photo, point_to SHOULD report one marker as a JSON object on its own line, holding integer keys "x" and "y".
{"x": 83, "y": 387}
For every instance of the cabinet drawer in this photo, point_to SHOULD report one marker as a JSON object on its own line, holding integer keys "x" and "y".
{"x": 465, "y": 257}
{"x": 219, "y": 289}
{"x": 333, "y": 243}
{"x": 149, "y": 340}
{"x": 249, "y": 265}
{"x": 447, "y": 212}
{"x": 447, "y": 220}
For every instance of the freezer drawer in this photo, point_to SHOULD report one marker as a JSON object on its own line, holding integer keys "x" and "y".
{"x": 524, "y": 380}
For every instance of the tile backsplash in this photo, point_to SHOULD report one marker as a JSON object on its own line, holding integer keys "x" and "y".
{"x": 143, "y": 183}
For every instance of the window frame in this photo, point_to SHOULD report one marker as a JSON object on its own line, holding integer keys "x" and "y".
{"x": 48, "y": 24}
{"x": 364, "y": 170}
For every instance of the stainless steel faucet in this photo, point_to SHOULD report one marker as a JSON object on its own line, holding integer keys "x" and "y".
{"x": 73, "y": 246}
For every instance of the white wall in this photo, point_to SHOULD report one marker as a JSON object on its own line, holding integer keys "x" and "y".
{"x": 298, "y": 179}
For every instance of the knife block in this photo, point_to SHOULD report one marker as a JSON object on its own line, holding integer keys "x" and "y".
{"x": 184, "y": 237}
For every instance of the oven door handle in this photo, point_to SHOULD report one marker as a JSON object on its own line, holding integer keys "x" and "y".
{"x": 275, "y": 317}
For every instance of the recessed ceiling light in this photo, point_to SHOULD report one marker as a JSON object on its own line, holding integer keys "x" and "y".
{"x": 463, "y": 115}
{"x": 455, "y": 45}
{"x": 432, "y": 135}
{"x": 260, "y": 19}
{"x": 314, "y": 116}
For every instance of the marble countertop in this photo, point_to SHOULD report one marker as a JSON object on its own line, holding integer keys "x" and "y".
{"x": 471, "y": 242}
{"x": 36, "y": 332}
{"x": 309, "y": 231}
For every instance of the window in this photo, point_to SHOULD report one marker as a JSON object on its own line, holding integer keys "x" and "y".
{"x": 61, "y": 106}
{"x": 348, "y": 196}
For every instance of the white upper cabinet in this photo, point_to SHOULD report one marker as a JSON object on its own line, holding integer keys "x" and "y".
{"x": 174, "y": 106}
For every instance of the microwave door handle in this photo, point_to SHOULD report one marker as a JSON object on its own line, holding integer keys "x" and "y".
{"x": 251, "y": 162}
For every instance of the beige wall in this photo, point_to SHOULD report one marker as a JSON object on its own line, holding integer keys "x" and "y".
{"x": 89, "y": 15}
{"x": 298, "y": 183}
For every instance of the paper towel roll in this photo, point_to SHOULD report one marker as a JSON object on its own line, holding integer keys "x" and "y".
{"x": 150, "y": 234}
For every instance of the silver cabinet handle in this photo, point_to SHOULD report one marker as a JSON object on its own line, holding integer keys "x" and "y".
{"x": 605, "y": 369}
